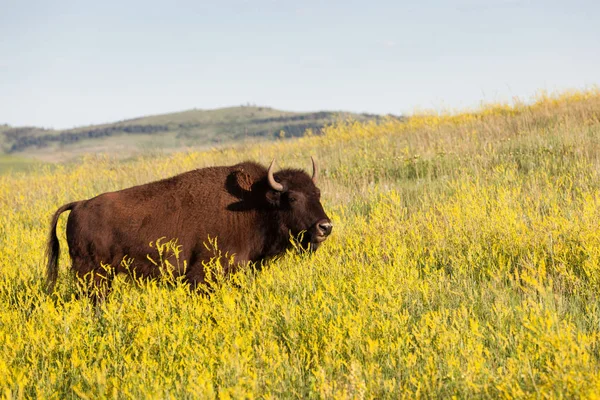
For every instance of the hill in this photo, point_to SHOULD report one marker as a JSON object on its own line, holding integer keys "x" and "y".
{"x": 190, "y": 128}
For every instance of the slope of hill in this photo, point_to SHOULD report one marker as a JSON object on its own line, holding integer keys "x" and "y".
{"x": 169, "y": 131}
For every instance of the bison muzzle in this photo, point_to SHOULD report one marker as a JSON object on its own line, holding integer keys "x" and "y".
{"x": 251, "y": 211}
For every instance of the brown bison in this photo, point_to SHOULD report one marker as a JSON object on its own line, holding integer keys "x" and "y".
{"x": 251, "y": 211}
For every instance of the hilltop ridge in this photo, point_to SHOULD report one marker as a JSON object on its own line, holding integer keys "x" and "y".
{"x": 190, "y": 128}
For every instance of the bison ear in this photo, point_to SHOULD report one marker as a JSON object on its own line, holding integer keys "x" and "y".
{"x": 243, "y": 180}
{"x": 238, "y": 183}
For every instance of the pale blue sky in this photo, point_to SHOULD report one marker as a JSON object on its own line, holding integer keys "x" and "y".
{"x": 69, "y": 63}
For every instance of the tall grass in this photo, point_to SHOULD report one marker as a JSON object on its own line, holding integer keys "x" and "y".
{"x": 465, "y": 261}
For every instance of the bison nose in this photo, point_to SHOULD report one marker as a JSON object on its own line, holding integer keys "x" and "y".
{"x": 325, "y": 227}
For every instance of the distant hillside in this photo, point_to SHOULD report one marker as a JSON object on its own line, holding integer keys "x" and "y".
{"x": 188, "y": 128}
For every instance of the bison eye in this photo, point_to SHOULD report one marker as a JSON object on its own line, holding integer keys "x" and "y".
{"x": 292, "y": 199}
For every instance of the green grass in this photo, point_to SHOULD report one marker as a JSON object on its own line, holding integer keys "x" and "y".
{"x": 15, "y": 164}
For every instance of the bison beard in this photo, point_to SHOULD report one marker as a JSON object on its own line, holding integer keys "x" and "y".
{"x": 250, "y": 210}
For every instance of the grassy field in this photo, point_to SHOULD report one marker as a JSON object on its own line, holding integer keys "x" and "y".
{"x": 15, "y": 164}
{"x": 465, "y": 261}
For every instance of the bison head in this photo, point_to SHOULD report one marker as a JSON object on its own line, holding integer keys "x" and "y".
{"x": 297, "y": 199}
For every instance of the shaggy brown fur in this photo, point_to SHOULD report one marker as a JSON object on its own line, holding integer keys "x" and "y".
{"x": 235, "y": 204}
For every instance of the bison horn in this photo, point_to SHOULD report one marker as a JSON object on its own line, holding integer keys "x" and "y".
{"x": 272, "y": 182}
{"x": 315, "y": 170}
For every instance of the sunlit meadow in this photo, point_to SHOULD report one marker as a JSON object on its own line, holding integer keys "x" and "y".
{"x": 465, "y": 260}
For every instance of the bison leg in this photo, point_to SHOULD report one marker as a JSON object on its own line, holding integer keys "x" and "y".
{"x": 205, "y": 272}
{"x": 95, "y": 283}
{"x": 195, "y": 276}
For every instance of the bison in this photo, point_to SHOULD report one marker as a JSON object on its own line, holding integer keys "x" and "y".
{"x": 251, "y": 211}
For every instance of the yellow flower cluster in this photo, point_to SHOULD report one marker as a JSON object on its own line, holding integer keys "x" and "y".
{"x": 465, "y": 262}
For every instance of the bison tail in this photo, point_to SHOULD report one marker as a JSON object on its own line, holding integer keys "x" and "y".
{"x": 53, "y": 249}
